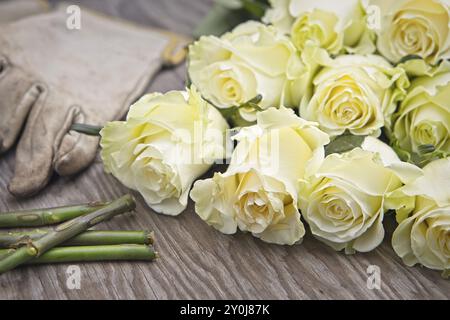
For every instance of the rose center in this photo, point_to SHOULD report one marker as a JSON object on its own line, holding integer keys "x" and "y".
{"x": 231, "y": 90}
{"x": 414, "y": 35}
{"x": 255, "y": 211}
{"x": 426, "y": 133}
{"x": 337, "y": 210}
{"x": 304, "y": 32}
{"x": 347, "y": 113}
{"x": 345, "y": 105}
{"x": 158, "y": 177}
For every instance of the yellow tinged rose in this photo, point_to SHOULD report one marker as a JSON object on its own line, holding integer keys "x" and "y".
{"x": 414, "y": 27}
{"x": 317, "y": 29}
{"x": 355, "y": 93}
{"x": 258, "y": 192}
{"x": 344, "y": 201}
{"x": 279, "y": 15}
{"x": 251, "y": 60}
{"x": 423, "y": 236}
{"x": 167, "y": 141}
{"x": 335, "y": 26}
{"x": 421, "y": 126}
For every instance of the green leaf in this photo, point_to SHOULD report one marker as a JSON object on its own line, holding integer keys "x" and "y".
{"x": 234, "y": 117}
{"x": 220, "y": 20}
{"x": 255, "y": 8}
{"x": 230, "y": 4}
{"x": 344, "y": 143}
{"x": 256, "y": 99}
{"x": 426, "y": 154}
{"x": 426, "y": 148}
{"x": 226, "y": 14}
{"x": 409, "y": 57}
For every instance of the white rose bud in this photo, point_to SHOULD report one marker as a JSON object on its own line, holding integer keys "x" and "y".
{"x": 336, "y": 26}
{"x": 167, "y": 141}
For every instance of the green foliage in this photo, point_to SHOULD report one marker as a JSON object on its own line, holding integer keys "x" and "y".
{"x": 227, "y": 14}
{"x": 233, "y": 116}
{"x": 408, "y": 58}
{"x": 344, "y": 143}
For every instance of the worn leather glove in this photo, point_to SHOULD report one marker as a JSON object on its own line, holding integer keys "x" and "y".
{"x": 52, "y": 77}
{"x": 12, "y": 10}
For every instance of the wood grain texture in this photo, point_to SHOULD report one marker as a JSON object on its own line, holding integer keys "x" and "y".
{"x": 197, "y": 261}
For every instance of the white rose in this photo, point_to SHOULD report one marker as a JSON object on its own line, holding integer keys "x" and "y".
{"x": 355, "y": 93}
{"x": 251, "y": 60}
{"x": 414, "y": 27}
{"x": 167, "y": 141}
{"x": 423, "y": 236}
{"x": 423, "y": 120}
{"x": 258, "y": 192}
{"x": 335, "y": 26}
{"x": 279, "y": 15}
{"x": 344, "y": 202}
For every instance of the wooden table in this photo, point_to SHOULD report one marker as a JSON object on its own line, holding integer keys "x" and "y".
{"x": 197, "y": 261}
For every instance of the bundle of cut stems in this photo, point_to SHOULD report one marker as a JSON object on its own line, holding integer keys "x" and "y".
{"x": 72, "y": 241}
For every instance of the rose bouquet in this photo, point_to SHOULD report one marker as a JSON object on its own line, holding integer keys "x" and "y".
{"x": 331, "y": 116}
{"x": 318, "y": 91}
{"x": 339, "y": 116}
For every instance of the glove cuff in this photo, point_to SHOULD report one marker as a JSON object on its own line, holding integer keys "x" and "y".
{"x": 175, "y": 51}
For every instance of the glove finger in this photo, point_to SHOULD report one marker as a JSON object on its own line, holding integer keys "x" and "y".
{"x": 38, "y": 144}
{"x": 17, "y": 95}
{"x": 77, "y": 151}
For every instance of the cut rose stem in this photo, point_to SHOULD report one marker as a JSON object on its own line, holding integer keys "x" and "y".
{"x": 122, "y": 252}
{"x": 11, "y": 240}
{"x": 86, "y": 129}
{"x": 45, "y": 217}
{"x": 65, "y": 232}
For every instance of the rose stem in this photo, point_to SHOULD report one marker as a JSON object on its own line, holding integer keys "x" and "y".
{"x": 128, "y": 252}
{"x": 65, "y": 232}
{"x": 86, "y": 129}
{"x": 45, "y": 217}
{"x": 88, "y": 238}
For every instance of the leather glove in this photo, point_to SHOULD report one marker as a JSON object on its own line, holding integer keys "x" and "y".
{"x": 52, "y": 77}
{"x": 12, "y": 10}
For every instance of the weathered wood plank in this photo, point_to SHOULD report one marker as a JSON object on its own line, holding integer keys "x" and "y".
{"x": 197, "y": 261}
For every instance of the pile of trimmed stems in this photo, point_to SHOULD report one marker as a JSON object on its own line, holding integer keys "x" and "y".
{"x": 72, "y": 241}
